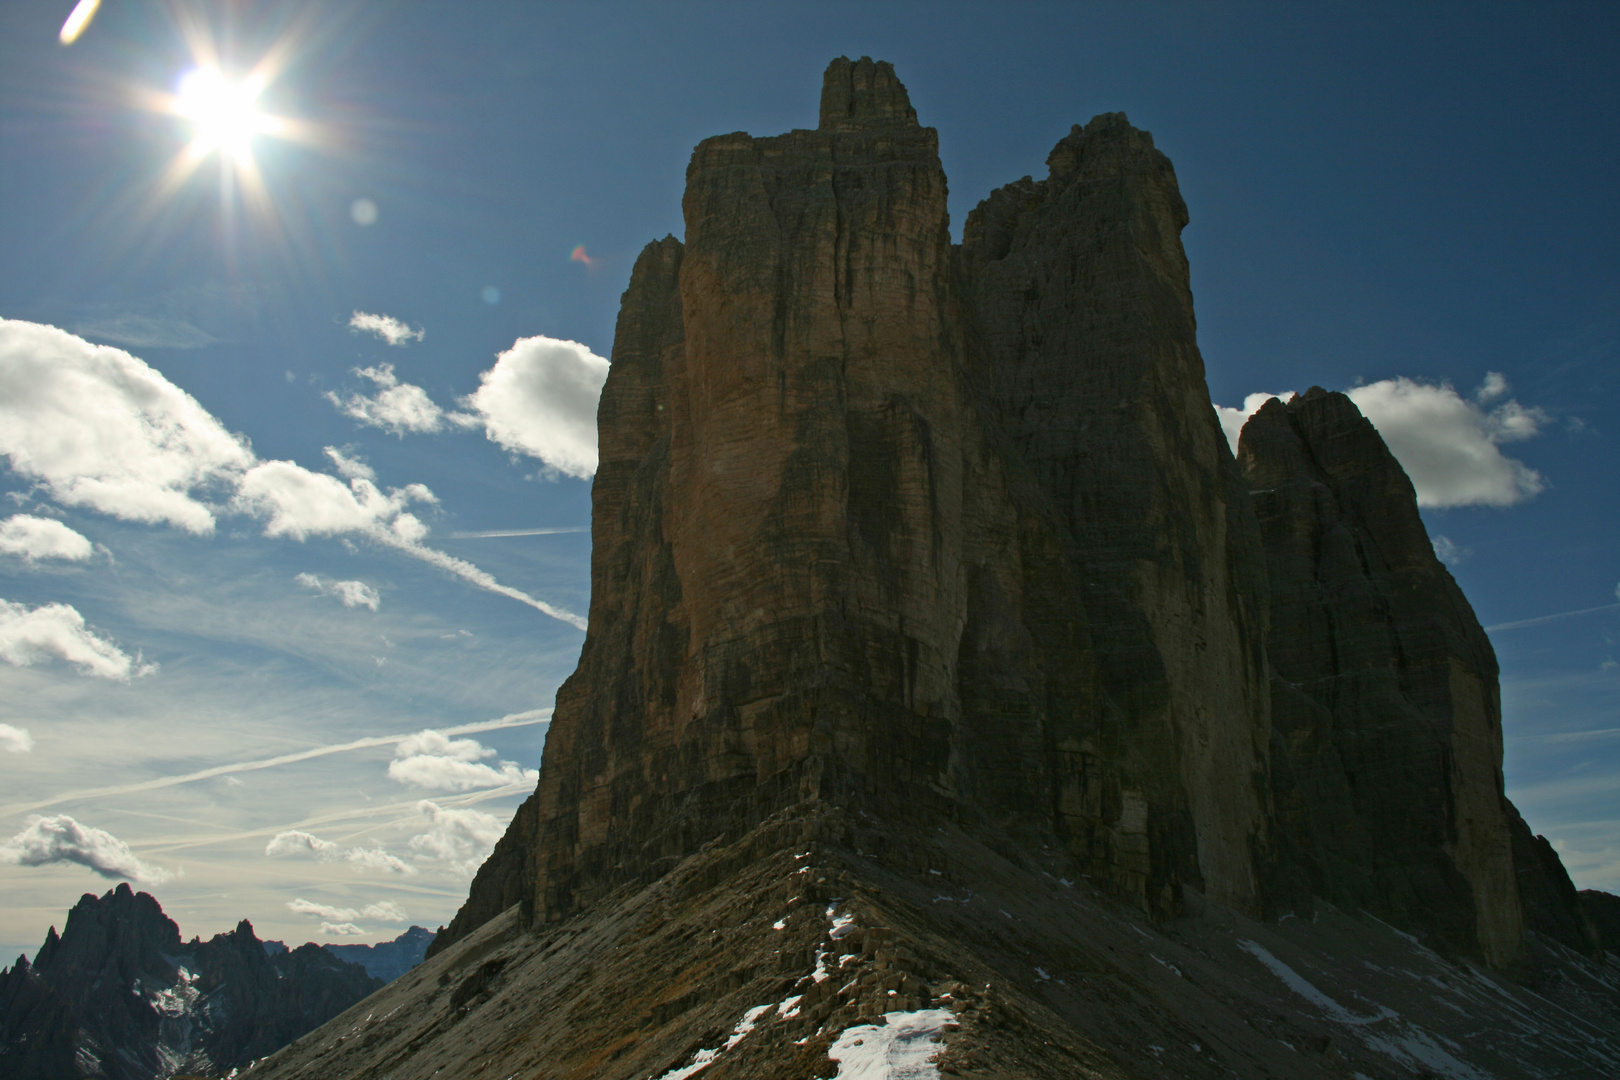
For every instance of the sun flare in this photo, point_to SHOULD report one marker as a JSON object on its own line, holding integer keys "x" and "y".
{"x": 224, "y": 115}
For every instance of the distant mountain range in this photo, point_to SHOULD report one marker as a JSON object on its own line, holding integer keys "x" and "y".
{"x": 119, "y": 995}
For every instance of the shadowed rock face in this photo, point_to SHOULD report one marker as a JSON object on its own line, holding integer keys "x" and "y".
{"x": 119, "y": 995}
{"x": 837, "y": 556}
{"x": 1078, "y": 299}
{"x": 929, "y": 621}
{"x": 953, "y": 534}
{"x": 1385, "y": 708}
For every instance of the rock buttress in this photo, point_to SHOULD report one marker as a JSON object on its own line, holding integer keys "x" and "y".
{"x": 1385, "y": 701}
{"x": 1077, "y": 295}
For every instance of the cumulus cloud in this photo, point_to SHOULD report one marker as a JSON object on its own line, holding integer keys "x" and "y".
{"x": 349, "y": 593}
{"x": 57, "y": 631}
{"x": 385, "y": 911}
{"x": 99, "y": 428}
{"x": 1450, "y": 445}
{"x": 45, "y": 841}
{"x": 298, "y": 843}
{"x": 15, "y": 740}
{"x": 386, "y": 327}
{"x": 540, "y": 399}
{"x": 430, "y": 760}
{"x": 36, "y": 538}
{"x": 397, "y": 407}
{"x": 347, "y": 929}
{"x": 460, "y": 839}
{"x": 300, "y": 503}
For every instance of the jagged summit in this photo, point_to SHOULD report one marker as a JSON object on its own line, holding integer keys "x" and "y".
{"x": 119, "y": 995}
{"x": 863, "y": 93}
{"x": 945, "y": 666}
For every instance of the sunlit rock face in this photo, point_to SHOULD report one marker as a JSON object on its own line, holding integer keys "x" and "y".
{"x": 1388, "y": 748}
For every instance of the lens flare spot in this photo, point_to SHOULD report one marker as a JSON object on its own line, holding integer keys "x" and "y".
{"x": 364, "y": 212}
{"x": 491, "y": 294}
{"x": 579, "y": 256}
{"x": 78, "y": 20}
{"x": 224, "y": 115}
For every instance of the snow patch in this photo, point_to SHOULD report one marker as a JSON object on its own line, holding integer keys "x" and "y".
{"x": 704, "y": 1058}
{"x": 902, "y": 1048}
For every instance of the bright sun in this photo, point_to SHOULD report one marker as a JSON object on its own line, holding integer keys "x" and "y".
{"x": 224, "y": 115}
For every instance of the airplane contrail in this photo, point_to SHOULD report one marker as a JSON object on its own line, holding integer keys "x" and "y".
{"x": 491, "y": 533}
{"x": 512, "y": 720}
{"x": 1538, "y": 620}
{"x": 402, "y": 812}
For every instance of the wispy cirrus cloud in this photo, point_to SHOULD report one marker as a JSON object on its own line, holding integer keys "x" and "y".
{"x": 392, "y": 330}
{"x": 431, "y": 760}
{"x": 384, "y": 911}
{"x": 58, "y": 631}
{"x": 37, "y": 538}
{"x": 1449, "y": 445}
{"x": 46, "y": 841}
{"x": 512, "y": 720}
{"x": 297, "y": 842}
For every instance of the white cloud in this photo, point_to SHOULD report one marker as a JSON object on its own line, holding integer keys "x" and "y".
{"x": 58, "y": 631}
{"x": 297, "y": 842}
{"x": 44, "y": 841}
{"x": 147, "y": 332}
{"x": 397, "y": 407}
{"x": 387, "y": 327}
{"x": 100, "y": 428}
{"x": 1448, "y": 551}
{"x": 15, "y": 740}
{"x": 41, "y": 538}
{"x": 348, "y": 466}
{"x": 461, "y": 839}
{"x": 540, "y": 399}
{"x": 430, "y": 760}
{"x": 1449, "y": 445}
{"x": 300, "y": 503}
{"x": 350, "y": 593}
{"x": 347, "y": 929}
{"x": 385, "y": 911}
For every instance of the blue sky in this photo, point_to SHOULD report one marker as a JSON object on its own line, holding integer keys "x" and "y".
{"x": 1413, "y": 203}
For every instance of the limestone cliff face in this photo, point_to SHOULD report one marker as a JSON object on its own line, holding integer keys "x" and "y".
{"x": 1078, "y": 297}
{"x": 930, "y": 534}
{"x": 1385, "y": 706}
{"x": 822, "y": 569}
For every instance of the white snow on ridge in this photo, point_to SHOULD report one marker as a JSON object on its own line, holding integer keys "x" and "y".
{"x": 1401, "y": 1041}
{"x": 704, "y": 1058}
{"x": 902, "y": 1048}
